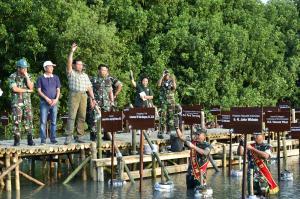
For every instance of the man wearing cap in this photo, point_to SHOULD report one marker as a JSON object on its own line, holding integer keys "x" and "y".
{"x": 200, "y": 149}
{"x": 167, "y": 86}
{"x": 259, "y": 156}
{"x": 79, "y": 85}
{"x": 21, "y": 86}
{"x": 48, "y": 86}
{"x": 102, "y": 88}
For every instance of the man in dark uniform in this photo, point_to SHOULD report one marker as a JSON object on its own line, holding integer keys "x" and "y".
{"x": 21, "y": 86}
{"x": 102, "y": 88}
{"x": 167, "y": 85}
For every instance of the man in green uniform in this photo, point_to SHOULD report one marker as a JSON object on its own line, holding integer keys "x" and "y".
{"x": 259, "y": 155}
{"x": 200, "y": 149}
{"x": 21, "y": 86}
{"x": 167, "y": 87}
{"x": 102, "y": 88}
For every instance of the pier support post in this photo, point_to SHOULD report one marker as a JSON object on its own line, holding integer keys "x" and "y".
{"x": 94, "y": 156}
{"x": 224, "y": 156}
{"x": 82, "y": 158}
{"x": 153, "y": 171}
{"x": 8, "y": 178}
{"x": 17, "y": 173}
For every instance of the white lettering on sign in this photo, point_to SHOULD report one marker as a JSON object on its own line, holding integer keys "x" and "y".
{"x": 245, "y": 118}
{"x": 112, "y": 118}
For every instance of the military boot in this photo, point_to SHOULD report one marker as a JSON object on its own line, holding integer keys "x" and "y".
{"x": 30, "y": 141}
{"x": 16, "y": 139}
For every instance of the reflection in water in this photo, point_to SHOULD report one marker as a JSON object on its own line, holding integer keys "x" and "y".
{"x": 223, "y": 187}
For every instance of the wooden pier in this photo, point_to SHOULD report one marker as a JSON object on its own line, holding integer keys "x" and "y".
{"x": 12, "y": 156}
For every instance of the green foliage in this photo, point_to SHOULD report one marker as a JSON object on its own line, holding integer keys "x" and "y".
{"x": 226, "y": 52}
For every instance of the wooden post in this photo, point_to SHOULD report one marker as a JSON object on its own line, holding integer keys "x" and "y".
{"x": 17, "y": 174}
{"x": 141, "y": 158}
{"x": 163, "y": 180}
{"x": 278, "y": 155}
{"x": 244, "y": 169}
{"x": 59, "y": 172}
{"x": 284, "y": 150}
{"x": 293, "y": 116}
{"x": 31, "y": 179}
{"x": 202, "y": 120}
{"x": 112, "y": 157}
{"x": 71, "y": 176}
{"x": 8, "y": 178}
{"x": 82, "y": 158}
{"x": 32, "y": 166}
{"x": 94, "y": 156}
{"x": 251, "y": 183}
{"x": 224, "y": 156}
{"x": 191, "y": 128}
{"x": 100, "y": 171}
{"x": 157, "y": 156}
{"x": 153, "y": 171}
{"x": 133, "y": 143}
{"x": 230, "y": 156}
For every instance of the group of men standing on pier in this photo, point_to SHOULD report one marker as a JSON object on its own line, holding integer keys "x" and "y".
{"x": 85, "y": 94}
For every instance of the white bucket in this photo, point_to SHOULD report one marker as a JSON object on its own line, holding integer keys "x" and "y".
{"x": 164, "y": 187}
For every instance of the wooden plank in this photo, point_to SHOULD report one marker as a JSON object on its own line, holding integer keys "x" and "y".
{"x": 147, "y": 158}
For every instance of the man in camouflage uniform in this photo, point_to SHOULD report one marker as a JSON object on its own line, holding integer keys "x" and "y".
{"x": 21, "y": 86}
{"x": 116, "y": 87}
{"x": 200, "y": 149}
{"x": 102, "y": 88}
{"x": 167, "y": 87}
{"x": 259, "y": 152}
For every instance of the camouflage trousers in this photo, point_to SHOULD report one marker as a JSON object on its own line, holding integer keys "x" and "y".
{"x": 260, "y": 185}
{"x": 166, "y": 117}
{"x": 21, "y": 114}
{"x": 91, "y": 117}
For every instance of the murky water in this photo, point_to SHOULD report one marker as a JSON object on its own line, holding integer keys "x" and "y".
{"x": 223, "y": 187}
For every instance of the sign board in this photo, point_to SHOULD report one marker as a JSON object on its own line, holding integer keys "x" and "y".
{"x": 246, "y": 120}
{"x": 215, "y": 110}
{"x": 112, "y": 121}
{"x": 297, "y": 114}
{"x": 284, "y": 106}
{"x": 141, "y": 118}
{"x": 224, "y": 119}
{"x": 191, "y": 114}
{"x": 295, "y": 130}
{"x": 269, "y": 109}
{"x": 278, "y": 121}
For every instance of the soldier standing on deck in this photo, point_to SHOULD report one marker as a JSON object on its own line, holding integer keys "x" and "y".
{"x": 21, "y": 86}
{"x": 167, "y": 87}
{"x": 102, "y": 87}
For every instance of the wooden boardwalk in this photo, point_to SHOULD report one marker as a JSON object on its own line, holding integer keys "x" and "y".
{"x": 122, "y": 140}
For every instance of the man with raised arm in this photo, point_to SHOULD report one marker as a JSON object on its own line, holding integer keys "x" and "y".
{"x": 79, "y": 86}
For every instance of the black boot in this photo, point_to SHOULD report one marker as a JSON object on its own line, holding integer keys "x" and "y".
{"x": 30, "y": 141}
{"x": 93, "y": 136}
{"x": 17, "y": 140}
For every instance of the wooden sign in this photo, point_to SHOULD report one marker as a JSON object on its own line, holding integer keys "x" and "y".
{"x": 246, "y": 120}
{"x": 278, "y": 121}
{"x": 224, "y": 119}
{"x": 269, "y": 109}
{"x": 191, "y": 114}
{"x": 295, "y": 131}
{"x": 297, "y": 114}
{"x": 215, "y": 110}
{"x": 141, "y": 118}
{"x": 284, "y": 106}
{"x": 112, "y": 121}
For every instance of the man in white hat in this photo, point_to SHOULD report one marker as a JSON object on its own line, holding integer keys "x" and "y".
{"x": 48, "y": 86}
